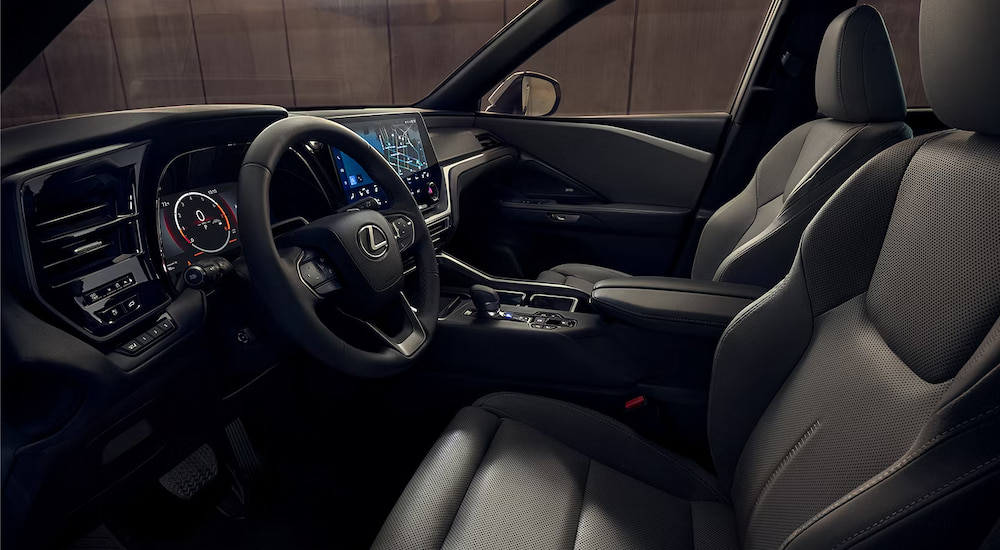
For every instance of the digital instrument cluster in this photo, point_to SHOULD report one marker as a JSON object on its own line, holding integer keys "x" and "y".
{"x": 197, "y": 222}
{"x": 196, "y": 206}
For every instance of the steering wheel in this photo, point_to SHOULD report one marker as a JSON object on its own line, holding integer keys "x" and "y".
{"x": 349, "y": 261}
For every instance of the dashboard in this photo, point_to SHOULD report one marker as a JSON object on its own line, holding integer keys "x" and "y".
{"x": 105, "y": 235}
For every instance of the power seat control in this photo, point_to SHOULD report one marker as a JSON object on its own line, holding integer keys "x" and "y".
{"x": 164, "y": 326}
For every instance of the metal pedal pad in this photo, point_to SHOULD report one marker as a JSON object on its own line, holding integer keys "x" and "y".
{"x": 195, "y": 472}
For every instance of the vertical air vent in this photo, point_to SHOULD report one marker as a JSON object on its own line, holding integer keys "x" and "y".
{"x": 81, "y": 219}
{"x": 487, "y": 141}
{"x": 438, "y": 230}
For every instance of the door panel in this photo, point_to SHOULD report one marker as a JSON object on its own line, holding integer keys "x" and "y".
{"x": 619, "y": 192}
{"x": 622, "y": 165}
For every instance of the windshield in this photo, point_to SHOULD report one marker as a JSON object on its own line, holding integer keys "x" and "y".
{"x": 127, "y": 54}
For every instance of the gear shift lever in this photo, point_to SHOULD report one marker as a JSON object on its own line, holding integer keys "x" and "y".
{"x": 487, "y": 301}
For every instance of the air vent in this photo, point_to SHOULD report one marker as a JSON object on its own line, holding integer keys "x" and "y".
{"x": 438, "y": 230}
{"x": 487, "y": 141}
{"x": 81, "y": 220}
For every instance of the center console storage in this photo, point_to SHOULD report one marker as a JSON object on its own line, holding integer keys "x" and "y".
{"x": 671, "y": 304}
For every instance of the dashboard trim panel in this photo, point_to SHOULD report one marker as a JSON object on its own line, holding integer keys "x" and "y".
{"x": 446, "y": 171}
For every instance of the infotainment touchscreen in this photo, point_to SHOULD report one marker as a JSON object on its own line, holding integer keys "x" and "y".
{"x": 400, "y": 139}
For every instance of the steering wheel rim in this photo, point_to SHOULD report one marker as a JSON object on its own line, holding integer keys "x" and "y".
{"x": 275, "y": 274}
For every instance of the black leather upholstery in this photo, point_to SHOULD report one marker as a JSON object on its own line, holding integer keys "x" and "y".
{"x": 752, "y": 239}
{"x": 580, "y": 276}
{"x": 854, "y": 405}
{"x": 519, "y": 471}
{"x": 856, "y": 75}
{"x": 671, "y": 303}
{"x": 963, "y": 47}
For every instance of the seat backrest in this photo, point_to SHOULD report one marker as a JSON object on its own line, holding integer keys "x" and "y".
{"x": 753, "y": 238}
{"x": 857, "y": 403}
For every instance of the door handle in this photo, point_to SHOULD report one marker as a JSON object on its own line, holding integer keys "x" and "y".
{"x": 563, "y": 218}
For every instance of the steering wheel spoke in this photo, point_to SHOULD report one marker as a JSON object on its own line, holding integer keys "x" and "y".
{"x": 410, "y": 338}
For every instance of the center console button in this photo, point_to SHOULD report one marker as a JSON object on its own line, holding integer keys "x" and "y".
{"x": 131, "y": 304}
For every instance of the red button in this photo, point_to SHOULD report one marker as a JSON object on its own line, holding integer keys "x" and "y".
{"x": 635, "y": 402}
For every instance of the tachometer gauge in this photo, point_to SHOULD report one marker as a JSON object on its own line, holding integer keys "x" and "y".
{"x": 202, "y": 222}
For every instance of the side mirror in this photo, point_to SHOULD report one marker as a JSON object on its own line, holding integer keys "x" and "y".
{"x": 525, "y": 93}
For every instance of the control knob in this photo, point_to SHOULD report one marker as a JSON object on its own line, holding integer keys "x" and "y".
{"x": 433, "y": 193}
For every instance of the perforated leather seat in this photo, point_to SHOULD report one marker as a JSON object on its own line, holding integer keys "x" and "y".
{"x": 855, "y": 405}
{"x": 752, "y": 239}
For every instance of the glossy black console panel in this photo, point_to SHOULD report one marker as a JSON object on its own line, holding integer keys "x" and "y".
{"x": 537, "y": 294}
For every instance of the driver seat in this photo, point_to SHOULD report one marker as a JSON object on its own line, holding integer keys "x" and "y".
{"x": 855, "y": 405}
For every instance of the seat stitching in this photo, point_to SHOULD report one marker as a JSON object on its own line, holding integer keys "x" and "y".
{"x": 608, "y": 423}
{"x": 826, "y": 158}
{"x": 809, "y": 433}
{"x": 738, "y": 254}
{"x": 917, "y": 501}
{"x": 898, "y": 465}
{"x": 919, "y": 145}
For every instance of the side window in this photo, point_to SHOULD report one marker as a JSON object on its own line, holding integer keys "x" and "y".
{"x": 642, "y": 56}
{"x": 902, "y": 18}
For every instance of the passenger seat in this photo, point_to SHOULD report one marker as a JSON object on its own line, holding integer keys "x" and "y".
{"x": 753, "y": 238}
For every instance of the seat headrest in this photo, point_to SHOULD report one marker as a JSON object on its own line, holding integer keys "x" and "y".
{"x": 856, "y": 75}
{"x": 960, "y": 62}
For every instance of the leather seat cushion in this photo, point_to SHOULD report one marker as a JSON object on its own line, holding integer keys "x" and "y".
{"x": 580, "y": 276}
{"x": 519, "y": 471}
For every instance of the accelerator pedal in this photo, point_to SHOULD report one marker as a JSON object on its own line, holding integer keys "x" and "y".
{"x": 248, "y": 463}
{"x": 244, "y": 470}
{"x": 193, "y": 474}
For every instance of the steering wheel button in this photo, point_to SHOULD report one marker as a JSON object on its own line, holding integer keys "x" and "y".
{"x": 312, "y": 274}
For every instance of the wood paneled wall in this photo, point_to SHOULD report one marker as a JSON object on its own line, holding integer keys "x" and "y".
{"x": 633, "y": 56}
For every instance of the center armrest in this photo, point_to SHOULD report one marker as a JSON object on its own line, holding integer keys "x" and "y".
{"x": 668, "y": 303}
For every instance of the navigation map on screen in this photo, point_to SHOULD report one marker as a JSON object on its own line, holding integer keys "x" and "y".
{"x": 398, "y": 141}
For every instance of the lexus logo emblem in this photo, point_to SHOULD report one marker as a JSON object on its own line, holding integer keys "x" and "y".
{"x": 373, "y": 241}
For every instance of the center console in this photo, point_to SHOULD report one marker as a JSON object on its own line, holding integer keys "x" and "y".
{"x": 649, "y": 336}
